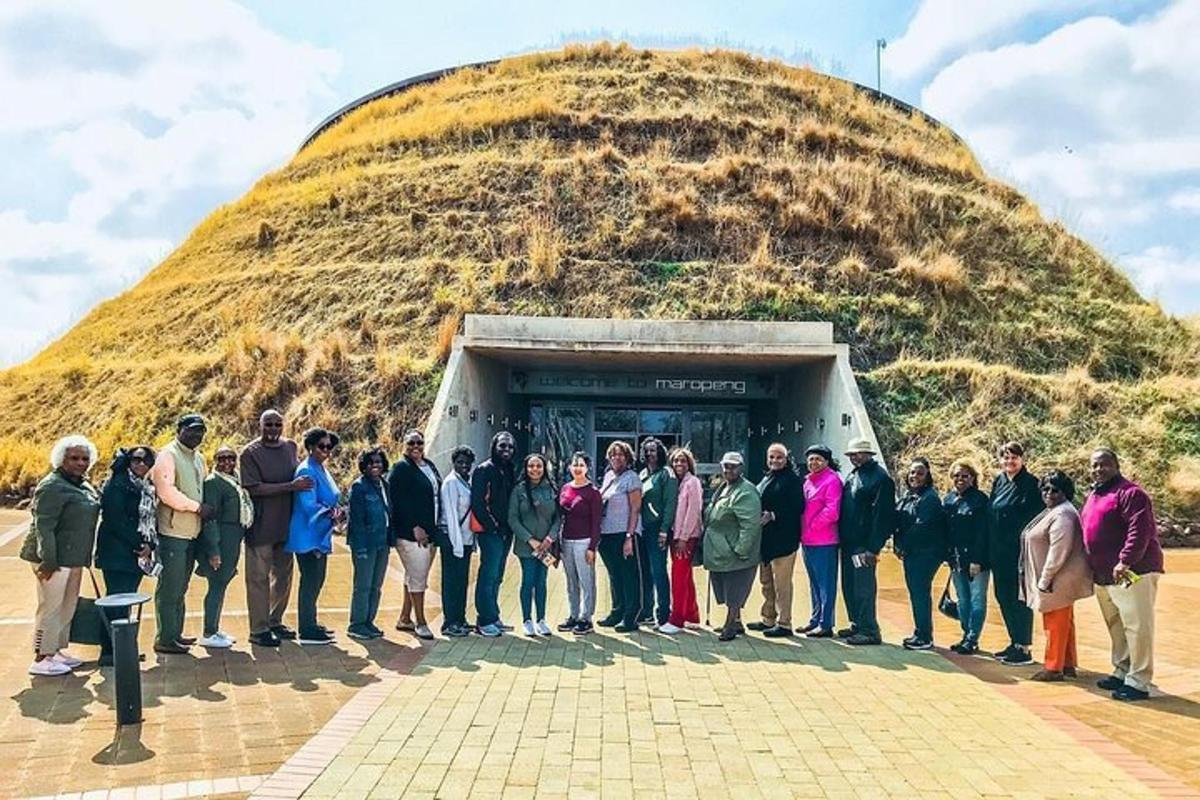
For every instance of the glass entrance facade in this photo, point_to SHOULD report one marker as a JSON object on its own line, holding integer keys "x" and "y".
{"x": 558, "y": 428}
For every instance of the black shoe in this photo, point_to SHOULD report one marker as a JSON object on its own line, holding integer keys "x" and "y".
{"x": 916, "y": 643}
{"x": 1070, "y": 672}
{"x": 456, "y": 631}
{"x": 315, "y": 637}
{"x": 777, "y": 632}
{"x": 1000, "y": 655}
{"x": 582, "y": 628}
{"x": 265, "y": 639}
{"x": 812, "y": 626}
{"x": 375, "y": 629}
{"x": 817, "y": 633}
{"x": 759, "y": 626}
{"x": 860, "y": 639}
{"x": 568, "y": 624}
{"x": 283, "y": 632}
{"x": 646, "y": 619}
{"x": 1017, "y": 659}
{"x": 965, "y": 648}
{"x": 609, "y": 621}
{"x": 1111, "y": 683}
{"x": 173, "y": 649}
{"x": 728, "y": 634}
{"x": 1128, "y": 694}
{"x": 626, "y": 627}
{"x": 186, "y": 641}
{"x": 846, "y": 633}
{"x": 361, "y": 632}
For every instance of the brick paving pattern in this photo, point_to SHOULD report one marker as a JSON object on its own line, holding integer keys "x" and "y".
{"x": 608, "y": 716}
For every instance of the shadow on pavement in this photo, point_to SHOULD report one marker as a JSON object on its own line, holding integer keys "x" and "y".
{"x": 125, "y": 748}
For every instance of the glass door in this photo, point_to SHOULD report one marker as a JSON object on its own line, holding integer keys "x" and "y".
{"x": 558, "y": 430}
{"x": 715, "y": 431}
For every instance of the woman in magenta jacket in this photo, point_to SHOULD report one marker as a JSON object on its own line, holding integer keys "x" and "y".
{"x": 819, "y": 537}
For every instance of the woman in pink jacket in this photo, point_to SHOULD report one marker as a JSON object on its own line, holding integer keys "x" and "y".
{"x": 684, "y": 536}
{"x": 819, "y": 537}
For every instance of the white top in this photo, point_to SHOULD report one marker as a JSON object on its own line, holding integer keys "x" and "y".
{"x": 456, "y": 499}
{"x": 433, "y": 481}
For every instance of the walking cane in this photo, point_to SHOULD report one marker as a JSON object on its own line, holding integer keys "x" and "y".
{"x": 708, "y": 601}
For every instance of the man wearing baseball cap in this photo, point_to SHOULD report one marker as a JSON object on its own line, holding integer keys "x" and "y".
{"x": 178, "y": 477}
{"x": 868, "y": 505}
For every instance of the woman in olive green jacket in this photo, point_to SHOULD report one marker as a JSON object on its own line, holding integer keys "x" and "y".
{"x": 732, "y": 538}
{"x": 62, "y": 532}
{"x": 533, "y": 517}
{"x": 221, "y": 540}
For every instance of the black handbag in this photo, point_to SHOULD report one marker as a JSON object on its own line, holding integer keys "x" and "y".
{"x": 948, "y": 605}
{"x": 89, "y": 625}
{"x": 698, "y": 552}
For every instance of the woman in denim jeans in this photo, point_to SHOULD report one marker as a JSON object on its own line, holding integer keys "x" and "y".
{"x": 369, "y": 542}
{"x": 533, "y": 518}
{"x": 966, "y": 516}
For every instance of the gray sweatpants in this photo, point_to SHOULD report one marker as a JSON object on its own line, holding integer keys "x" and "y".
{"x": 581, "y": 579}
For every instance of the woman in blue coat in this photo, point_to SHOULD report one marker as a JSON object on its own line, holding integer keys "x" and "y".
{"x": 310, "y": 534}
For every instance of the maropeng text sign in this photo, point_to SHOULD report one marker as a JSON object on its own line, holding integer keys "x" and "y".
{"x": 700, "y": 385}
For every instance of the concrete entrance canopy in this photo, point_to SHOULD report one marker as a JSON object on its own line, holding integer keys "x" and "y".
{"x": 790, "y": 381}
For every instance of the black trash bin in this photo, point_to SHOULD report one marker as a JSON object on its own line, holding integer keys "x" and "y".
{"x": 127, "y": 673}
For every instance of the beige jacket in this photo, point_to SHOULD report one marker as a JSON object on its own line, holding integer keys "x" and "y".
{"x": 1052, "y": 557}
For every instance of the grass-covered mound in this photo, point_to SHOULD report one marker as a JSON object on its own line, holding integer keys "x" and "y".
{"x": 607, "y": 181}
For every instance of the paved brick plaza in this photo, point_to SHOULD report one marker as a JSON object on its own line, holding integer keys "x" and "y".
{"x": 610, "y": 716}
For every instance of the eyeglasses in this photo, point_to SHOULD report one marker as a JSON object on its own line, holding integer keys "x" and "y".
{"x": 1049, "y": 490}
{"x": 223, "y": 457}
{"x": 414, "y": 443}
{"x": 325, "y": 446}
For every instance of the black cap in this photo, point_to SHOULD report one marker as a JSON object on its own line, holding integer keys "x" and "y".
{"x": 190, "y": 421}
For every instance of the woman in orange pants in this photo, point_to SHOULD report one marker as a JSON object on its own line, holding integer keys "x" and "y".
{"x": 1055, "y": 573}
{"x": 684, "y": 538}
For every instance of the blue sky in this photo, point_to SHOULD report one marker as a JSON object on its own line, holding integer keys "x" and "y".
{"x": 126, "y": 123}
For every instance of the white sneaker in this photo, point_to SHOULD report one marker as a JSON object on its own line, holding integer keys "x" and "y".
{"x": 216, "y": 640}
{"x": 67, "y": 660}
{"x": 668, "y": 628}
{"x": 48, "y": 667}
{"x": 542, "y": 628}
{"x": 528, "y": 627}
{"x": 226, "y": 637}
{"x": 422, "y": 632}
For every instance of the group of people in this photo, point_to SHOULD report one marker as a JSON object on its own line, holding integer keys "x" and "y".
{"x": 162, "y": 514}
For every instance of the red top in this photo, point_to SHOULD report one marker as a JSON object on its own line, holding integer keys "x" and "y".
{"x": 1118, "y": 525}
{"x": 581, "y": 510}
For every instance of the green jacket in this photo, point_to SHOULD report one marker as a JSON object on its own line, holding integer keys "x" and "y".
{"x": 63, "y": 529}
{"x": 222, "y": 534}
{"x": 660, "y": 493}
{"x": 532, "y": 522}
{"x": 733, "y": 528}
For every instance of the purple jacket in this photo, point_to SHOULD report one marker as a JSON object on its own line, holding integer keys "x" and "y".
{"x": 1118, "y": 525}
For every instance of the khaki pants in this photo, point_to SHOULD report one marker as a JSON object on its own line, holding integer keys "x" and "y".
{"x": 1129, "y": 614}
{"x": 56, "y": 606}
{"x": 268, "y": 585}
{"x": 776, "y": 579}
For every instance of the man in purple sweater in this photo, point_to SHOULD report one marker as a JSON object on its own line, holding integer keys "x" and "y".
{"x": 1121, "y": 540}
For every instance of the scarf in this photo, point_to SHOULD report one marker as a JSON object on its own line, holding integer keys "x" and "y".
{"x": 147, "y": 511}
{"x": 245, "y": 504}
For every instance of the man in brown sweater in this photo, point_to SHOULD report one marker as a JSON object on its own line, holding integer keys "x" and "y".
{"x": 268, "y": 468}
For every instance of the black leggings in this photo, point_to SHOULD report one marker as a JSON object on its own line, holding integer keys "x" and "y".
{"x": 624, "y": 576}
{"x": 312, "y": 578}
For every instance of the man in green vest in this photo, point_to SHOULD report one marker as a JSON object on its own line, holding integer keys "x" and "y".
{"x": 178, "y": 477}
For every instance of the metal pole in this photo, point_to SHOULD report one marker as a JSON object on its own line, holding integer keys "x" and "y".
{"x": 880, "y": 46}
{"x": 126, "y": 672}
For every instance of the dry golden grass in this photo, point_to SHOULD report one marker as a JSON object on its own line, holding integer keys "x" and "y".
{"x": 609, "y": 181}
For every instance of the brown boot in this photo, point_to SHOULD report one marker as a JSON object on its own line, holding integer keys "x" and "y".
{"x": 1046, "y": 676}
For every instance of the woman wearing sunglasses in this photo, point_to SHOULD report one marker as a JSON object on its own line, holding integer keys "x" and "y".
{"x": 310, "y": 535}
{"x": 414, "y": 497}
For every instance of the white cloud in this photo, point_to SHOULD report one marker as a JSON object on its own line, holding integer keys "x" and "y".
{"x": 1185, "y": 200}
{"x": 1095, "y": 120}
{"x": 154, "y": 107}
{"x": 946, "y": 28}
{"x": 1163, "y": 267}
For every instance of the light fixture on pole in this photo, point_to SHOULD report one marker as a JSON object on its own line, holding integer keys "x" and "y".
{"x": 880, "y": 46}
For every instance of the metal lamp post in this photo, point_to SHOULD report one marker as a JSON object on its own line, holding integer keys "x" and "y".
{"x": 880, "y": 46}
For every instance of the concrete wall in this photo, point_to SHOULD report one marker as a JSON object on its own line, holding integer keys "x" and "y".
{"x": 472, "y": 384}
{"x": 815, "y": 380}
